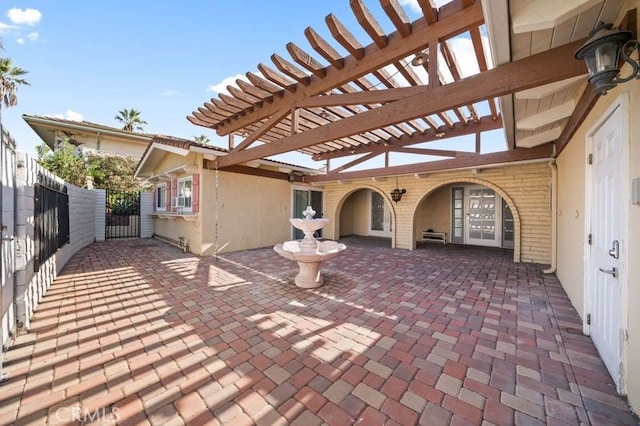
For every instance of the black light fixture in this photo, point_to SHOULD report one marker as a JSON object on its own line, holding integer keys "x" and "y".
{"x": 602, "y": 54}
{"x": 396, "y": 194}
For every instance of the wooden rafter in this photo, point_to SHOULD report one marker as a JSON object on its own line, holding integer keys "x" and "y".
{"x": 345, "y": 70}
{"x": 484, "y": 124}
{"x": 532, "y": 71}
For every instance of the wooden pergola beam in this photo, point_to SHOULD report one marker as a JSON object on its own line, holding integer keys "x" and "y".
{"x": 345, "y": 70}
{"x": 535, "y": 70}
{"x": 483, "y": 125}
{"x": 466, "y": 161}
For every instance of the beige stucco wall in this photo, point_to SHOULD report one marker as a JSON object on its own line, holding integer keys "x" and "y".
{"x": 435, "y": 213}
{"x": 571, "y": 223}
{"x": 353, "y": 217}
{"x": 113, "y": 145}
{"x": 524, "y": 186}
{"x": 252, "y": 212}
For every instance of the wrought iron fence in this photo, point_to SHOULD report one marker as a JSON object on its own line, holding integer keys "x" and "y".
{"x": 122, "y": 215}
{"x": 51, "y": 218}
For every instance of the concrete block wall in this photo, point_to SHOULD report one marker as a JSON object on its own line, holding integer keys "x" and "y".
{"x": 31, "y": 286}
{"x": 525, "y": 187}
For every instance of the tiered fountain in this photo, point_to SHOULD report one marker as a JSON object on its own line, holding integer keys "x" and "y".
{"x": 309, "y": 252}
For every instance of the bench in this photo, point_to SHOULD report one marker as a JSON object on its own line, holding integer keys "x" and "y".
{"x": 434, "y": 237}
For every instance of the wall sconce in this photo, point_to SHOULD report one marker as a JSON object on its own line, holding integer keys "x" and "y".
{"x": 602, "y": 53}
{"x": 396, "y": 194}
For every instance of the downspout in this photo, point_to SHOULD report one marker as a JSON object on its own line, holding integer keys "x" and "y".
{"x": 554, "y": 217}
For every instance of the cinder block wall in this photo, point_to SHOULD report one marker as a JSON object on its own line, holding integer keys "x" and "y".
{"x": 525, "y": 187}
{"x": 31, "y": 286}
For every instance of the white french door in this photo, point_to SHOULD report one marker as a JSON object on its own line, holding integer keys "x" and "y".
{"x": 483, "y": 216}
{"x": 379, "y": 216}
{"x": 606, "y": 248}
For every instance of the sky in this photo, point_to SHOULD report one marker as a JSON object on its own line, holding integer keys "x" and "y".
{"x": 89, "y": 59}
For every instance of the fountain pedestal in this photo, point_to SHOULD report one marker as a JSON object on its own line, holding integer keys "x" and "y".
{"x": 309, "y": 252}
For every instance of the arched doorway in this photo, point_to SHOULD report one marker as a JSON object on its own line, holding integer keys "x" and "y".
{"x": 468, "y": 213}
{"x": 366, "y": 213}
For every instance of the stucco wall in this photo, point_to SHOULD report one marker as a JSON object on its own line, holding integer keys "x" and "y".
{"x": 524, "y": 186}
{"x": 354, "y": 216}
{"x": 252, "y": 212}
{"x": 571, "y": 223}
{"x": 435, "y": 213}
{"x": 111, "y": 145}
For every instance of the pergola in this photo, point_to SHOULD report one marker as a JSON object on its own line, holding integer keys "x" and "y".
{"x": 404, "y": 88}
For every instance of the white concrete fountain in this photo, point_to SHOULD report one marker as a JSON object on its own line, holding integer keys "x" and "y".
{"x": 309, "y": 252}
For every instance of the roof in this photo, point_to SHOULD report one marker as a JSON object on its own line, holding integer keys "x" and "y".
{"x": 161, "y": 145}
{"x": 46, "y": 127}
{"x": 404, "y": 88}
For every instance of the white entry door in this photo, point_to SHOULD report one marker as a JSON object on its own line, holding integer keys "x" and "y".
{"x": 606, "y": 248}
{"x": 483, "y": 216}
{"x": 379, "y": 216}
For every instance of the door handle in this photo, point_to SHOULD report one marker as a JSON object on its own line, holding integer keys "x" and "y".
{"x": 615, "y": 250}
{"x": 613, "y": 271}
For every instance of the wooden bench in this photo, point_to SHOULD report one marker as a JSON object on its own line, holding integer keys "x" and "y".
{"x": 434, "y": 237}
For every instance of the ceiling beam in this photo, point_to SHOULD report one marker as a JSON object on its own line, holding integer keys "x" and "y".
{"x": 542, "y": 68}
{"x": 374, "y": 58}
{"x": 467, "y": 161}
{"x": 585, "y": 104}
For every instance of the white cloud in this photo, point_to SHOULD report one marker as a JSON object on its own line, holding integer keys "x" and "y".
{"x": 33, "y": 36}
{"x": 70, "y": 115}
{"x": 28, "y": 17}
{"x": 222, "y": 86}
{"x": 20, "y": 40}
{"x": 170, "y": 93}
{"x": 5, "y": 27}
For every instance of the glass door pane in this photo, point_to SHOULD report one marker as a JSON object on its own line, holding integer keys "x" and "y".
{"x": 377, "y": 212}
{"x": 457, "y": 212}
{"x": 482, "y": 214}
{"x": 300, "y": 203}
{"x": 507, "y": 226}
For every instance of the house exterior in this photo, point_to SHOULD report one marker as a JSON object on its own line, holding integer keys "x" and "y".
{"x": 88, "y": 136}
{"x": 565, "y": 193}
{"x": 208, "y": 212}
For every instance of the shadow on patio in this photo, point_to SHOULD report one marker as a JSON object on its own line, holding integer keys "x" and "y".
{"x": 139, "y": 331}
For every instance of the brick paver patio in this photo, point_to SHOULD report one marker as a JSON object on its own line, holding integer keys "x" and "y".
{"x": 139, "y": 332}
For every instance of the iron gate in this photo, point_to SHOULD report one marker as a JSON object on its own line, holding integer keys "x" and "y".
{"x": 122, "y": 215}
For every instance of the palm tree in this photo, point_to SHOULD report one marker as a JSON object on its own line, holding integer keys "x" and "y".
{"x": 131, "y": 119}
{"x": 10, "y": 79}
{"x": 203, "y": 139}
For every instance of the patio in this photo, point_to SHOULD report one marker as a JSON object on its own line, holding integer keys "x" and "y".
{"x": 139, "y": 332}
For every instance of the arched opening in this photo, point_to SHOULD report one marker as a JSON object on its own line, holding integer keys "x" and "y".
{"x": 366, "y": 217}
{"x": 469, "y": 213}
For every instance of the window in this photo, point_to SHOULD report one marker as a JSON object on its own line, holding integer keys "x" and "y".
{"x": 161, "y": 197}
{"x": 184, "y": 194}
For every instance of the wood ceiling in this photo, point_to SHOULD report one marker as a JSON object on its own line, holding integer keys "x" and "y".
{"x": 374, "y": 101}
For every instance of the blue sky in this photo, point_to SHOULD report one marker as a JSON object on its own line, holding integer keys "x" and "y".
{"x": 89, "y": 59}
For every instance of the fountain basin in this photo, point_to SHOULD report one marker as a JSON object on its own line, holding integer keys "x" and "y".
{"x": 309, "y": 261}
{"x": 308, "y": 225}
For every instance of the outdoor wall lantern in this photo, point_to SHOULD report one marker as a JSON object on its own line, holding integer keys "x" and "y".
{"x": 396, "y": 194}
{"x": 602, "y": 54}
